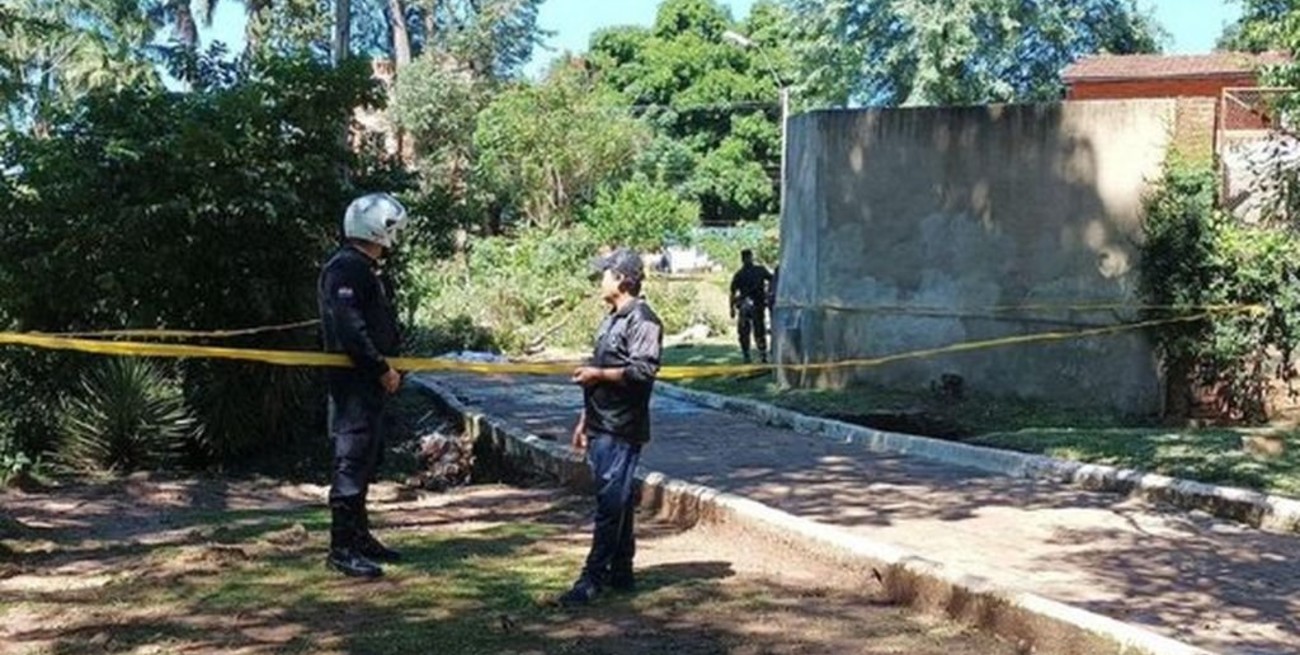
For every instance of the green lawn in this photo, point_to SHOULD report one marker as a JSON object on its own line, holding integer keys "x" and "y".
{"x": 1210, "y": 455}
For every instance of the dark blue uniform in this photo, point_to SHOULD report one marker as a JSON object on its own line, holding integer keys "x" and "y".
{"x": 358, "y": 319}
{"x": 750, "y": 296}
{"x": 618, "y": 424}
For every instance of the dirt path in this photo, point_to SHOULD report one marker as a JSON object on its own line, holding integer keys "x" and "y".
{"x": 218, "y": 567}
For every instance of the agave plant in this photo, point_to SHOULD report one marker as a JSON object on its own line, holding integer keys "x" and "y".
{"x": 126, "y": 415}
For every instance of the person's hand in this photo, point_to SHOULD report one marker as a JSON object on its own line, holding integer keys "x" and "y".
{"x": 580, "y": 436}
{"x": 391, "y": 380}
{"x": 587, "y": 375}
{"x": 733, "y": 311}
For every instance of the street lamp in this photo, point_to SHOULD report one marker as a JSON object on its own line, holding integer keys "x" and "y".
{"x": 745, "y": 42}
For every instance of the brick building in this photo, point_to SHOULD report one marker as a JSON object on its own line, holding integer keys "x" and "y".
{"x": 1111, "y": 77}
{"x": 1164, "y": 76}
{"x": 1221, "y": 102}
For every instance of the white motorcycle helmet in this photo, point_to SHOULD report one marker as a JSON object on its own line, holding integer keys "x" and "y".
{"x": 376, "y": 218}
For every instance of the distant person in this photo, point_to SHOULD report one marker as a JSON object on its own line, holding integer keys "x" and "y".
{"x": 615, "y": 421}
{"x": 749, "y": 299}
{"x": 358, "y": 319}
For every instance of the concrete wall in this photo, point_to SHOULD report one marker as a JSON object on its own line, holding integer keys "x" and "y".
{"x": 968, "y": 210}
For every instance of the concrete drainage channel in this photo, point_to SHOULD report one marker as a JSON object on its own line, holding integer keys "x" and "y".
{"x": 1037, "y": 624}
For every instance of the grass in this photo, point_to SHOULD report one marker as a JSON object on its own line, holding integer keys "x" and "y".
{"x": 450, "y": 591}
{"x": 1214, "y": 456}
{"x": 475, "y": 585}
{"x": 1209, "y": 455}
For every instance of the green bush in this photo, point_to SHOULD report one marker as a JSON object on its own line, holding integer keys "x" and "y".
{"x": 642, "y": 215}
{"x": 1196, "y": 255}
{"x": 516, "y": 294}
{"x": 126, "y": 415}
{"x": 204, "y": 210}
{"x": 723, "y": 245}
{"x": 522, "y": 289}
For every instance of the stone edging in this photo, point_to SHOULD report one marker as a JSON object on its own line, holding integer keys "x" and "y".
{"x": 1035, "y": 623}
{"x": 1267, "y": 512}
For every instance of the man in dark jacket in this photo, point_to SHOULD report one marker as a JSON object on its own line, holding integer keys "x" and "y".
{"x": 615, "y": 423}
{"x": 749, "y": 297}
{"x": 358, "y": 319}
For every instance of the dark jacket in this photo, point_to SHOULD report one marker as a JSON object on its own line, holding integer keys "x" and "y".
{"x": 630, "y": 339}
{"x": 751, "y": 282}
{"x": 357, "y": 318}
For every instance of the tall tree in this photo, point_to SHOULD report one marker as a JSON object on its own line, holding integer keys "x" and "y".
{"x": 59, "y": 50}
{"x": 919, "y": 52}
{"x": 180, "y": 16}
{"x": 342, "y": 30}
{"x": 1261, "y": 26}
{"x": 715, "y": 104}
{"x": 494, "y": 38}
{"x": 401, "y": 33}
{"x": 544, "y": 151}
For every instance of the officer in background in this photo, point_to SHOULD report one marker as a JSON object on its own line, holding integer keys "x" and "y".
{"x": 615, "y": 422}
{"x": 358, "y": 319}
{"x": 749, "y": 298}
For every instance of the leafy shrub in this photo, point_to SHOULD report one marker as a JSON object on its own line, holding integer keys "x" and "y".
{"x": 723, "y": 245}
{"x": 125, "y": 416}
{"x": 208, "y": 209}
{"x": 516, "y": 294}
{"x": 642, "y": 215}
{"x": 1196, "y": 255}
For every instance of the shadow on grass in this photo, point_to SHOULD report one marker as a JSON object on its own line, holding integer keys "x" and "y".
{"x": 477, "y": 587}
{"x": 1215, "y": 456}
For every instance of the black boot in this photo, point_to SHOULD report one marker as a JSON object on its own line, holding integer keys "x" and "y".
{"x": 621, "y": 579}
{"x": 582, "y": 593}
{"x": 343, "y": 556}
{"x": 368, "y": 545}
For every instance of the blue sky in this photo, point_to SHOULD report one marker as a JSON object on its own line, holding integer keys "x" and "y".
{"x": 1194, "y": 25}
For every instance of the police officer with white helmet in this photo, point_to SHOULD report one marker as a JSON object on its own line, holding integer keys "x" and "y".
{"x": 358, "y": 318}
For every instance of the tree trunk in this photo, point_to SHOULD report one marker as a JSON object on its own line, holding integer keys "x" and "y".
{"x": 187, "y": 30}
{"x": 430, "y": 23}
{"x": 342, "y": 29}
{"x": 401, "y": 36}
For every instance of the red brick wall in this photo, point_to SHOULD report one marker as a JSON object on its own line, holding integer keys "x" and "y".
{"x": 1203, "y": 87}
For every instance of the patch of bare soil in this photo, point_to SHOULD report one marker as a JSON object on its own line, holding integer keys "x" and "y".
{"x": 137, "y": 567}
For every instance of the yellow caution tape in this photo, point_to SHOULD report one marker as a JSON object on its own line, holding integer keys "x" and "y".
{"x": 419, "y": 364}
{"x": 884, "y": 309}
{"x": 184, "y": 334}
{"x": 923, "y": 310}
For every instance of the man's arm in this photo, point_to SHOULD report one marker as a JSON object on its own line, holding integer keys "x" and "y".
{"x": 344, "y": 291}
{"x": 645, "y": 343}
{"x": 645, "y": 346}
{"x": 580, "y": 432}
{"x": 735, "y": 290}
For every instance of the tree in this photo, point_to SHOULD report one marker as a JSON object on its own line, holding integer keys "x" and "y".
{"x": 1261, "y": 27}
{"x": 209, "y": 208}
{"x": 544, "y": 151}
{"x": 58, "y": 51}
{"x": 180, "y": 16}
{"x": 492, "y": 38}
{"x": 716, "y": 102}
{"x": 401, "y": 33}
{"x": 917, "y": 52}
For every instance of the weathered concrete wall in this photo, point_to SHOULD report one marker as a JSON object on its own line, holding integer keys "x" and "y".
{"x": 969, "y": 210}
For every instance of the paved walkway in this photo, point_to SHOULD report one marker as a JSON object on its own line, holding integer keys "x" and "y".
{"x": 1219, "y": 585}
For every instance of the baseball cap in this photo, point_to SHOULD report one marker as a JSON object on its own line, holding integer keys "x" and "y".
{"x": 624, "y": 261}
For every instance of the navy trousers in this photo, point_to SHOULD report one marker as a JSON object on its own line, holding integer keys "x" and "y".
{"x": 613, "y": 467}
{"x": 357, "y": 428}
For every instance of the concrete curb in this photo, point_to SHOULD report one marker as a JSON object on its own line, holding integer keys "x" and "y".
{"x": 1035, "y": 623}
{"x": 1263, "y": 511}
